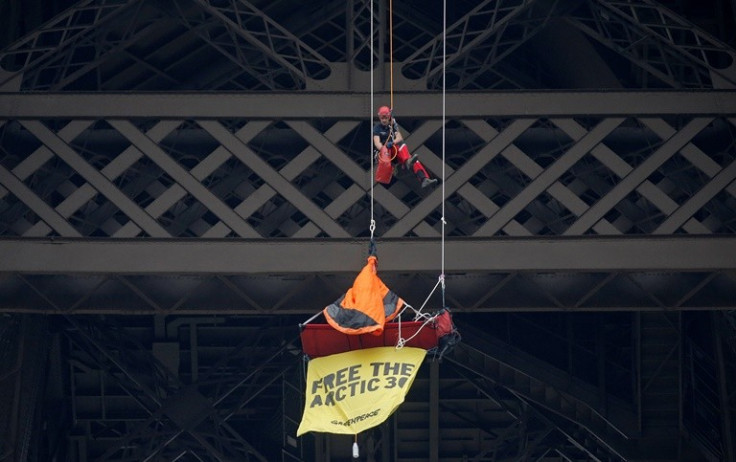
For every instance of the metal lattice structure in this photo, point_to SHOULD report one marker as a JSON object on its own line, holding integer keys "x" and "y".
{"x": 214, "y": 176}
{"x": 183, "y": 182}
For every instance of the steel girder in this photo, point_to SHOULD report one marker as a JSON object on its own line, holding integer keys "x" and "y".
{"x": 548, "y": 434}
{"x": 665, "y": 46}
{"x": 523, "y": 188}
{"x": 194, "y": 386}
{"x": 73, "y": 43}
{"x": 476, "y": 292}
{"x": 261, "y": 35}
{"x": 158, "y": 414}
{"x": 264, "y": 257}
{"x": 355, "y": 106}
{"x": 22, "y": 378}
{"x": 156, "y": 183}
{"x": 241, "y": 45}
{"x": 562, "y": 172}
{"x": 467, "y": 54}
{"x": 261, "y": 278}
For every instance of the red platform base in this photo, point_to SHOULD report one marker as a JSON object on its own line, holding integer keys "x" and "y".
{"x": 323, "y": 340}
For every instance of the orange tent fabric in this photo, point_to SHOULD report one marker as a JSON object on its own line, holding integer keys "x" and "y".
{"x": 366, "y": 306}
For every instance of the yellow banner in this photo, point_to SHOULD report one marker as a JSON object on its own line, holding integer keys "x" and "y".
{"x": 354, "y": 391}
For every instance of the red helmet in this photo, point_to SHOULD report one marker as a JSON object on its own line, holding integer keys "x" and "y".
{"x": 384, "y": 110}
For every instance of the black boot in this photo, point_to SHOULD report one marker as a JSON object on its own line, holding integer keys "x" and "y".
{"x": 426, "y": 182}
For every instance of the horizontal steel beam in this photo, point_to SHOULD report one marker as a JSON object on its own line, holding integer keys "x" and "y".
{"x": 201, "y": 256}
{"x": 357, "y": 105}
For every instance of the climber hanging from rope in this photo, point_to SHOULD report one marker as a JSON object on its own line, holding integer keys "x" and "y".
{"x": 389, "y": 145}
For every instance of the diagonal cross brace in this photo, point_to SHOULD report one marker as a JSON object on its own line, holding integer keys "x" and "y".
{"x": 94, "y": 178}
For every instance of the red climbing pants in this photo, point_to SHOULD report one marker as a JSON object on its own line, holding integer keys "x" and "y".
{"x": 403, "y": 155}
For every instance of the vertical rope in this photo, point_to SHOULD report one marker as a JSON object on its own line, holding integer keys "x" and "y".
{"x": 370, "y": 127}
{"x": 444, "y": 106}
{"x": 391, "y": 49}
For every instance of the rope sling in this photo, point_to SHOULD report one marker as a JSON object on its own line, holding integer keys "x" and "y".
{"x": 419, "y": 314}
{"x": 420, "y": 317}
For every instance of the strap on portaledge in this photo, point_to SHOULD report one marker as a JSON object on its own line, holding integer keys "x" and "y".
{"x": 372, "y": 250}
